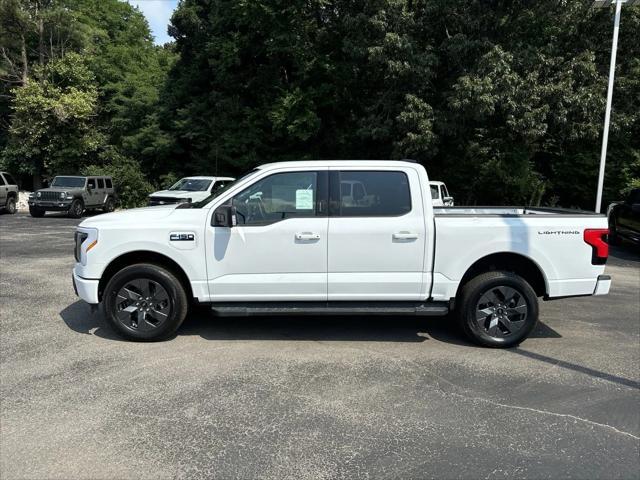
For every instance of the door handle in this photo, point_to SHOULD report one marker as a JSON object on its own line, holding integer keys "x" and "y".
{"x": 405, "y": 236}
{"x": 307, "y": 236}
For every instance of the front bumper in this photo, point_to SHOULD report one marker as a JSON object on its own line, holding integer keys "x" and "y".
{"x": 602, "y": 285}
{"x": 85, "y": 288}
{"x": 62, "y": 205}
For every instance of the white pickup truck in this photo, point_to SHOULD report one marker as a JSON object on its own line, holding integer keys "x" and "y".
{"x": 294, "y": 238}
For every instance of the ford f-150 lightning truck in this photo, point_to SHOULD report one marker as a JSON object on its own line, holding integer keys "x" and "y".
{"x": 294, "y": 238}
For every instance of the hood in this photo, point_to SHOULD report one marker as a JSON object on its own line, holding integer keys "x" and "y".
{"x": 175, "y": 193}
{"x": 57, "y": 189}
{"x": 133, "y": 216}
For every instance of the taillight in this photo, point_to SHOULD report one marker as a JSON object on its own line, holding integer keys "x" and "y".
{"x": 596, "y": 237}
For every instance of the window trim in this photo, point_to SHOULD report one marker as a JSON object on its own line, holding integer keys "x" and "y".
{"x": 335, "y": 204}
{"x": 322, "y": 192}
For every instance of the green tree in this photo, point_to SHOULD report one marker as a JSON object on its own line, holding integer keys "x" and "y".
{"x": 53, "y": 125}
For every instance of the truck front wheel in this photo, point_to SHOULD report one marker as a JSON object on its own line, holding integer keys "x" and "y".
{"x": 145, "y": 302}
{"x": 497, "y": 309}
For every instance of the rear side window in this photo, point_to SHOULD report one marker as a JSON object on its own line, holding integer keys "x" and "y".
{"x": 100, "y": 183}
{"x": 108, "y": 182}
{"x": 371, "y": 194}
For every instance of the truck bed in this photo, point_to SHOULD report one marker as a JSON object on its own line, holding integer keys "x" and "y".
{"x": 511, "y": 211}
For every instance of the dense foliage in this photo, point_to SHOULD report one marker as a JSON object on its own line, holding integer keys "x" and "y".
{"x": 502, "y": 100}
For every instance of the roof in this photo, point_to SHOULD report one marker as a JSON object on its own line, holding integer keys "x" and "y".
{"x": 336, "y": 163}
{"x": 435, "y": 182}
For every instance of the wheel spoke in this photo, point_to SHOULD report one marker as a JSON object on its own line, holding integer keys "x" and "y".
{"x": 482, "y": 314}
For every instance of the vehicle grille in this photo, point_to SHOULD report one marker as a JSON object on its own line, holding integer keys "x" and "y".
{"x": 49, "y": 196}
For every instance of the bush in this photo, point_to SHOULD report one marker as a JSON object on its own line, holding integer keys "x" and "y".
{"x": 132, "y": 187}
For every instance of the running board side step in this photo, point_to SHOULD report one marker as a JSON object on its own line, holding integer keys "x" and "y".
{"x": 428, "y": 309}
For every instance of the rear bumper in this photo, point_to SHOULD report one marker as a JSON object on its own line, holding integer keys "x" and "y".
{"x": 86, "y": 289}
{"x": 602, "y": 285}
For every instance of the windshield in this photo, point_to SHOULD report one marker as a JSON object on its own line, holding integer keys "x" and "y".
{"x": 218, "y": 192}
{"x": 191, "y": 185}
{"x": 68, "y": 182}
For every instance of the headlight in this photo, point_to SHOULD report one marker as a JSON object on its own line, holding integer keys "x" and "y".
{"x": 39, "y": 194}
{"x": 63, "y": 195}
{"x": 85, "y": 240}
{"x": 80, "y": 237}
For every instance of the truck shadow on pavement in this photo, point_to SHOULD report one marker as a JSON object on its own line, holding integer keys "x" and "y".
{"x": 201, "y": 322}
{"x": 355, "y": 328}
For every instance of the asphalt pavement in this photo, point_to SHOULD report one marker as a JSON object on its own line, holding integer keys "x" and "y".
{"x": 352, "y": 397}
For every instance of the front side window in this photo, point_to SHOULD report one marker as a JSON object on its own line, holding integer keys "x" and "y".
{"x": 373, "y": 194}
{"x": 91, "y": 183}
{"x": 191, "y": 185}
{"x": 277, "y": 197}
{"x": 68, "y": 182}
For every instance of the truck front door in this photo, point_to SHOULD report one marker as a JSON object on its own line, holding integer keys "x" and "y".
{"x": 376, "y": 241}
{"x": 278, "y": 249}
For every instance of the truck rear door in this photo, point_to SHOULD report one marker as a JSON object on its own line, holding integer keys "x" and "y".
{"x": 376, "y": 234}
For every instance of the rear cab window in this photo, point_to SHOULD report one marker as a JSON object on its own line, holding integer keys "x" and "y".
{"x": 369, "y": 193}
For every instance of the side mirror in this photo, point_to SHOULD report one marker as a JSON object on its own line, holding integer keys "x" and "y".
{"x": 447, "y": 200}
{"x": 224, "y": 216}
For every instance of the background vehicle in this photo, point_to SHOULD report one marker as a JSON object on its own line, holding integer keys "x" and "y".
{"x": 189, "y": 189}
{"x": 286, "y": 239}
{"x": 73, "y": 194}
{"x": 440, "y": 195}
{"x": 8, "y": 193}
{"x": 624, "y": 219}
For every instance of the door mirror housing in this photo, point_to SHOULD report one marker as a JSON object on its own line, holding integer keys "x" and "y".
{"x": 224, "y": 216}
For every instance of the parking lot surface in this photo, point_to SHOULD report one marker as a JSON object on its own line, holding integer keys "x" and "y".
{"x": 307, "y": 397}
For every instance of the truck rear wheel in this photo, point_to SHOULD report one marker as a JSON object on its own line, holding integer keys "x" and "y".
{"x": 145, "y": 302}
{"x": 497, "y": 309}
{"x": 36, "y": 212}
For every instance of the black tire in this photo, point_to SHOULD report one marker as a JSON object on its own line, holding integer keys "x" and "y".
{"x": 10, "y": 206}
{"x": 129, "y": 302}
{"x": 486, "y": 320}
{"x": 109, "y": 205}
{"x": 36, "y": 212}
{"x": 613, "y": 238}
{"x": 76, "y": 209}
